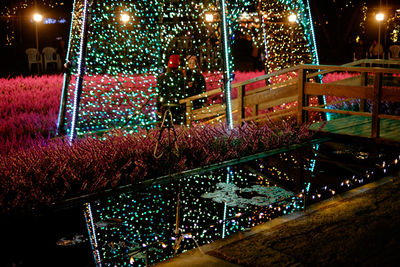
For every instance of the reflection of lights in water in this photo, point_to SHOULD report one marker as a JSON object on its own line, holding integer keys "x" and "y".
{"x": 146, "y": 216}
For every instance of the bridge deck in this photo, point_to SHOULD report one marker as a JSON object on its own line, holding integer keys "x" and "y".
{"x": 360, "y": 126}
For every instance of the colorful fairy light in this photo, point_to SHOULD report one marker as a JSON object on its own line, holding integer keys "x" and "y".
{"x": 125, "y": 58}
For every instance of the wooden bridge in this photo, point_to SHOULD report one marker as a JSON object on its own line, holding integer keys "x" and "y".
{"x": 359, "y": 105}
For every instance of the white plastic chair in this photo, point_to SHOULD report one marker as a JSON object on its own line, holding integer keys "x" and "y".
{"x": 51, "y": 56}
{"x": 394, "y": 52}
{"x": 34, "y": 58}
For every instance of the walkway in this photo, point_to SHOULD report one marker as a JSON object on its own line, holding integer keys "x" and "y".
{"x": 360, "y": 126}
{"x": 358, "y": 228}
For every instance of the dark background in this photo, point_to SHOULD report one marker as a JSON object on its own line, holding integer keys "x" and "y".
{"x": 336, "y": 24}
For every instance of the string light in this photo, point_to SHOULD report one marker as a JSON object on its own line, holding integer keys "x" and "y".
{"x": 124, "y": 59}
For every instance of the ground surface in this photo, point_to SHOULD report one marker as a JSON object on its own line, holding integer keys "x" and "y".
{"x": 359, "y": 228}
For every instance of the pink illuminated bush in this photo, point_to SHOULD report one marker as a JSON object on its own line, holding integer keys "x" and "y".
{"x": 29, "y": 106}
{"x": 28, "y": 110}
{"x": 53, "y": 171}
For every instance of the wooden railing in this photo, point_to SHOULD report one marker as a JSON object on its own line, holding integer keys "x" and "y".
{"x": 301, "y": 87}
{"x": 357, "y": 87}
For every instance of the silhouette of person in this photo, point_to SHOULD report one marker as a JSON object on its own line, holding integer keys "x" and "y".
{"x": 194, "y": 81}
{"x": 171, "y": 90}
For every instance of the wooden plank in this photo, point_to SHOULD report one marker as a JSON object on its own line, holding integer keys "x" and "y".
{"x": 348, "y": 112}
{"x": 390, "y": 94}
{"x": 212, "y": 111}
{"x": 188, "y": 114}
{"x": 275, "y": 96}
{"x": 362, "y": 92}
{"x": 273, "y": 86}
{"x": 277, "y": 117}
{"x": 363, "y": 82}
{"x": 277, "y": 102}
{"x": 206, "y": 94}
{"x": 389, "y": 117}
{"x": 375, "y": 105}
{"x": 390, "y": 127}
{"x": 360, "y": 126}
{"x": 340, "y": 124}
{"x": 350, "y": 69}
{"x": 300, "y": 97}
{"x": 240, "y": 101}
{"x": 275, "y": 113}
{"x": 254, "y": 110}
{"x": 267, "y": 76}
{"x": 352, "y": 81}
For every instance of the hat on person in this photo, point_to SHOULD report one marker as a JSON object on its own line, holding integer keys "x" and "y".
{"x": 173, "y": 61}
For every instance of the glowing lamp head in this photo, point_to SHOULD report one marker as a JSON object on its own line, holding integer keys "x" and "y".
{"x": 292, "y": 18}
{"x": 380, "y": 16}
{"x": 37, "y": 17}
{"x": 209, "y": 17}
{"x": 125, "y": 17}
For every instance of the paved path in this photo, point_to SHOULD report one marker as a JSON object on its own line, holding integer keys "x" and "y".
{"x": 358, "y": 228}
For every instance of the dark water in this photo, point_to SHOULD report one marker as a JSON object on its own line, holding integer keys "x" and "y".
{"x": 150, "y": 225}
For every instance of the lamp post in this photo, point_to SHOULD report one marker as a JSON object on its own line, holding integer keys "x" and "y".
{"x": 37, "y": 18}
{"x": 292, "y": 20}
{"x": 125, "y": 18}
{"x": 379, "y": 18}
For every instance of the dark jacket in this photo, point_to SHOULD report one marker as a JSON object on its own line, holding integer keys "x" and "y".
{"x": 195, "y": 84}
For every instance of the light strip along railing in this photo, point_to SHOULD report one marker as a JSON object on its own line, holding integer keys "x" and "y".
{"x": 377, "y": 93}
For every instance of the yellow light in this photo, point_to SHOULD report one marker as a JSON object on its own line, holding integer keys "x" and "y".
{"x": 209, "y": 17}
{"x": 125, "y": 17}
{"x": 380, "y": 16}
{"x": 292, "y": 18}
{"x": 37, "y": 17}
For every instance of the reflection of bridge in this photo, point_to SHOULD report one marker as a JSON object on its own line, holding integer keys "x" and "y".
{"x": 366, "y": 103}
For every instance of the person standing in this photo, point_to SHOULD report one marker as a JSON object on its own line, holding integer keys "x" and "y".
{"x": 360, "y": 51}
{"x": 194, "y": 81}
{"x": 171, "y": 90}
{"x": 376, "y": 50}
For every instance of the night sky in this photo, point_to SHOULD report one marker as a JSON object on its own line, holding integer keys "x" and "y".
{"x": 336, "y": 22}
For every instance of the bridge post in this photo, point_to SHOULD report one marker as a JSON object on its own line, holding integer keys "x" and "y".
{"x": 240, "y": 99}
{"x": 376, "y": 101}
{"x": 189, "y": 113}
{"x": 301, "y": 98}
{"x": 364, "y": 82}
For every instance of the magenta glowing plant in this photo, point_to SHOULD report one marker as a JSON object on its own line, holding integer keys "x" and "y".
{"x": 52, "y": 171}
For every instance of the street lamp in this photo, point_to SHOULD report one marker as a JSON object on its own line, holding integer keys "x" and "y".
{"x": 379, "y": 17}
{"x": 125, "y": 18}
{"x": 209, "y": 17}
{"x": 292, "y": 18}
{"x": 37, "y": 18}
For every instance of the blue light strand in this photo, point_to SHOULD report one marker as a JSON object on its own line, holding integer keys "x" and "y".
{"x": 64, "y": 91}
{"x": 228, "y": 174}
{"x": 227, "y": 72}
{"x": 79, "y": 80}
{"x": 92, "y": 232}
{"x": 328, "y": 115}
